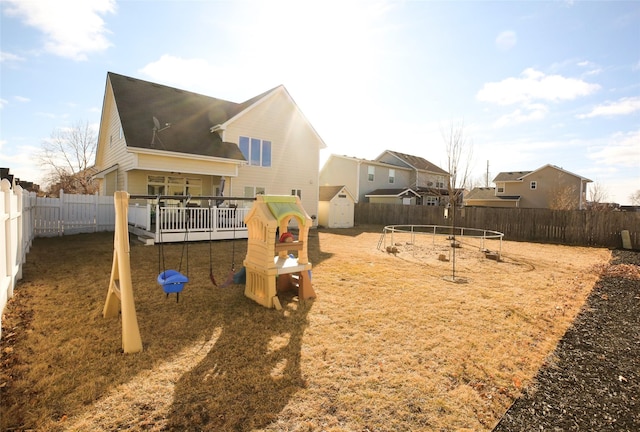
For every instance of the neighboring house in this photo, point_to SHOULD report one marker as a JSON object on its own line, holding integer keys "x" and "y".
{"x": 159, "y": 140}
{"x": 547, "y": 187}
{"x": 390, "y": 170}
{"x": 336, "y": 207}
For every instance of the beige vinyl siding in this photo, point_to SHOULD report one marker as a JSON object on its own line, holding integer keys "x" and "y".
{"x": 294, "y": 151}
{"x": 549, "y": 181}
{"x": 341, "y": 171}
{"x": 138, "y": 180}
{"x": 113, "y": 147}
{"x": 180, "y": 163}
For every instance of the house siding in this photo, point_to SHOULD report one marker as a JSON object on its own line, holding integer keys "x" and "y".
{"x": 380, "y": 180}
{"x": 354, "y": 174}
{"x": 112, "y": 148}
{"x": 295, "y": 151}
{"x": 340, "y": 171}
{"x": 188, "y": 165}
{"x": 549, "y": 182}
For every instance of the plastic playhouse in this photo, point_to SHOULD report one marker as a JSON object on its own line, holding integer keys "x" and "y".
{"x": 271, "y": 264}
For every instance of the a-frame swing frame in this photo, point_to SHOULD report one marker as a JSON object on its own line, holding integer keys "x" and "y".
{"x": 120, "y": 285}
{"x": 120, "y": 294}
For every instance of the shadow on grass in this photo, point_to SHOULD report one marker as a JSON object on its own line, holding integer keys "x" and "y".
{"x": 248, "y": 376}
{"x": 67, "y": 360}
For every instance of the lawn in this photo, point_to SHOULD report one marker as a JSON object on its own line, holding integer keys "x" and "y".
{"x": 390, "y": 343}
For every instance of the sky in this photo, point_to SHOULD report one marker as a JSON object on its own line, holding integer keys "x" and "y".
{"x": 529, "y": 83}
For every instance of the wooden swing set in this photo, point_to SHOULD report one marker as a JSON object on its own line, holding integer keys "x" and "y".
{"x": 120, "y": 293}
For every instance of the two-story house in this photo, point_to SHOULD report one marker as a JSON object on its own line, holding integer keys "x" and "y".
{"x": 546, "y": 187}
{"x": 392, "y": 177}
{"x": 160, "y": 140}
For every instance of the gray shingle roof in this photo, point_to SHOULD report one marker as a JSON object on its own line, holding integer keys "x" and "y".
{"x": 191, "y": 116}
{"x": 511, "y": 176}
{"x": 326, "y": 193}
{"x": 418, "y": 163}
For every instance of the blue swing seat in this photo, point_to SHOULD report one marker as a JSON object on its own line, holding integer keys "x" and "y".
{"x": 172, "y": 281}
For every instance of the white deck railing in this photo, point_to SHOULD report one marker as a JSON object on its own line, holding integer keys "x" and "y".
{"x": 179, "y": 223}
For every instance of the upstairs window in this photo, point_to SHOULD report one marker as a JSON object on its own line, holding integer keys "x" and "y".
{"x": 392, "y": 176}
{"x": 256, "y": 151}
{"x": 533, "y": 185}
{"x": 440, "y": 183}
{"x": 371, "y": 170}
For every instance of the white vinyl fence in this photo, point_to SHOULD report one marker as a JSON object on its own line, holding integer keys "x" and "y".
{"x": 24, "y": 216}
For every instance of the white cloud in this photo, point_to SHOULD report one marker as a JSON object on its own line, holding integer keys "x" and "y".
{"x": 534, "y": 85}
{"x": 530, "y": 112}
{"x": 623, "y": 106}
{"x": 73, "y": 28}
{"x": 621, "y": 149}
{"x": 3, "y": 103}
{"x": 591, "y": 68}
{"x": 9, "y": 57}
{"x": 22, "y": 99}
{"x": 21, "y": 163}
{"x": 506, "y": 40}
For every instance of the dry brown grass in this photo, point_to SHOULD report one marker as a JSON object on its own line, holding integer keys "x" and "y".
{"x": 388, "y": 345}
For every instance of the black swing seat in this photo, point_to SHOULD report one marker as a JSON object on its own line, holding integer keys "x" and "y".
{"x": 172, "y": 281}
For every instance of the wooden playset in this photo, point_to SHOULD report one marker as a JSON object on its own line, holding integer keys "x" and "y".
{"x": 272, "y": 265}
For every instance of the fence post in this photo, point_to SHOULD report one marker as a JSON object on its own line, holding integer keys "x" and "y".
{"x": 61, "y": 212}
{"x": 19, "y": 232}
{"x": 96, "y": 209}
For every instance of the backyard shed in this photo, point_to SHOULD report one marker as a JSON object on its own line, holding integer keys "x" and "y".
{"x": 335, "y": 207}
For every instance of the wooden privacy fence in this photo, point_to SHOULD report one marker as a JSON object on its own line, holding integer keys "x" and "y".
{"x": 579, "y": 227}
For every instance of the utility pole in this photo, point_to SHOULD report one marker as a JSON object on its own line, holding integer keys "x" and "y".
{"x": 487, "y": 176}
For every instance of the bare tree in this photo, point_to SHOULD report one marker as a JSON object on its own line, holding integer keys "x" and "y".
{"x": 635, "y": 198}
{"x": 459, "y": 154}
{"x": 67, "y": 158}
{"x": 598, "y": 193}
{"x": 459, "y": 158}
{"x": 563, "y": 197}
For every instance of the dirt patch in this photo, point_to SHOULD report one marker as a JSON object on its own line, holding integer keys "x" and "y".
{"x": 389, "y": 344}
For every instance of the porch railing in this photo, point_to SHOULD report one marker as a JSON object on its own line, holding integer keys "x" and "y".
{"x": 177, "y": 223}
